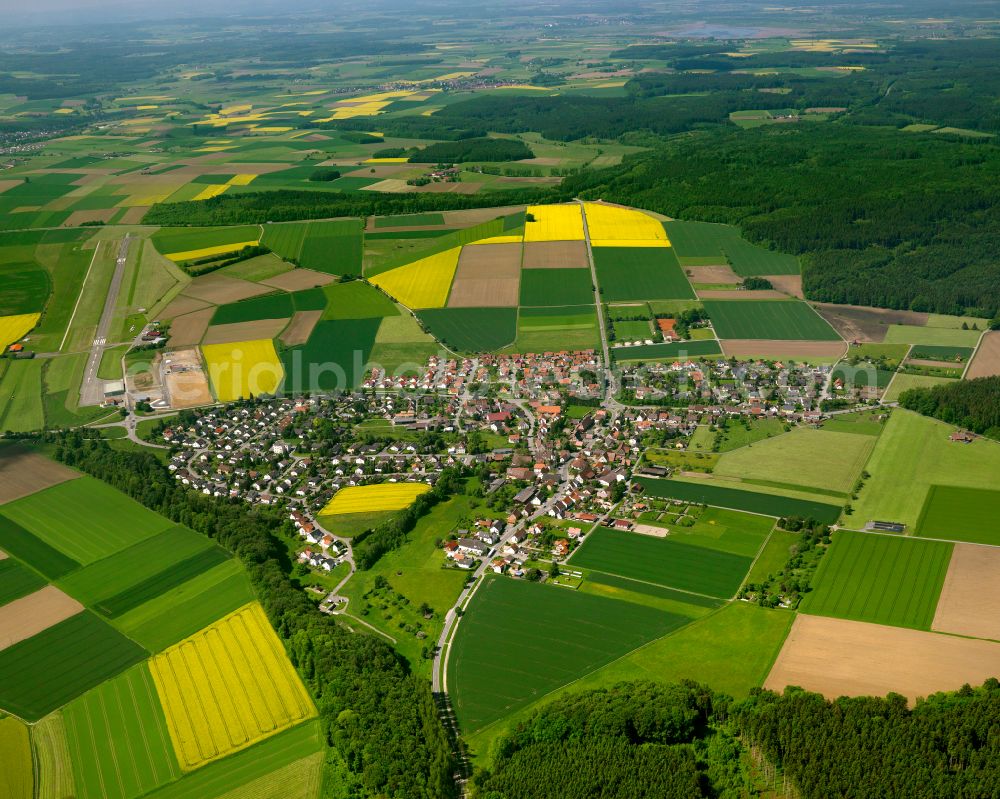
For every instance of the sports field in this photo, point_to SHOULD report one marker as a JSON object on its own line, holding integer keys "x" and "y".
{"x": 561, "y": 635}
{"x": 228, "y": 687}
{"x": 663, "y": 561}
{"x": 912, "y": 454}
{"x": 380, "y": 497}
{"x": 705, "y": 492}
{"x": 961, "y": 514}
{"x": 46, "y": 671}
{"x": 554, "y": 223}
{"x": 117, "y": 737}
{"x": 880, "y": 579}
{"x": 243, "y": 369}
{"x": 472, "y": 329}
{"x": 424, "y": 283}
{"x": 803, "y": 458}
{"x": 13, "y": 328}
{"x": 640, "y": 273}
{"x": 109, "y": 522}
{"x": 786, "y": 320}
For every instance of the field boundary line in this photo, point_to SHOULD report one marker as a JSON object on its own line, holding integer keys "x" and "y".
{"x": 660, "y": 585}
{"x": 760, "y": 551}
{"x": 904, "y": 536}
{"x": 79, "y": 295}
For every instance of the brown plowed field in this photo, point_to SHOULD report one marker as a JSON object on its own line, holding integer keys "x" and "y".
{"x": 220, "y": 289}
{"x": 24, "y": 472}
{"x": 488, "y": 275}
{"x": 190, "y": 328}
{"x": 986, "y": 361}
{"x": 299, "y": 279}
{"x": 181, "y": 305}
{"x": 765, "y": 348}
{"x": 300, "y": 327}
{"x": 788, "y": 284}
{"x": 30, "y": 615}
{"x": 556, "y": 255}
{"x": 835, "y": 657}
{"x": 762, "y": 294}
{"x": 855, "y": 322}
{"x": 712, "y": 274}
{"x": 244, "y": 331}
{"x": 970, "y": 599}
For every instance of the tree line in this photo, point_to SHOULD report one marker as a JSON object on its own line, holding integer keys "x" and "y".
{"x": 972, "y": 404}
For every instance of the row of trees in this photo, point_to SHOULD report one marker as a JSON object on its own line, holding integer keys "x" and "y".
{"x": 380, "y": 720}
{"x": 972, "y": 404}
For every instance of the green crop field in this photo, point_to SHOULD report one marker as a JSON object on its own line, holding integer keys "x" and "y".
{"x": 663, "y": 561}
{"x": 256, "y": 269}
{"x": 880, "y": 579}
{"x": 904, "y": 382}
{"x": 130, "y": 567}
{"x": 866, "y": 423}
{"x": 932, "y": 336}
{"x": 409, "y": 220}
{"x": 703, "y": 491}
{"x": 561, "y": 635}
{"x": 472, "y": 329}
{"x": 332, "y": 253}
{"x": 724, "y": 530}
{"x": 18, "y": 780}
{"x": 803, "y": 458}
{"x": 332, "y": 359}
{"x": 85, "y": 518}
{"x": 704, "y": 243}
{"x": 667, "y": 352}
{"x": 172, "y": 240}
{"x": 45, "y": 671}
{"x": 117, "y": 736}
{"x": 961, "y": 514}
{"x": 357, "y": 300}
{"x": 182, "y": 611}
{"x": 698, "y": 239}
{"x": 21, "y": 408}
{"x": 286, "y": 239}
{"x": 731, "y": 649}
{"x": 633, "y": 331}
{"x": 30, "y": 549}
{"x": 234, "y": 777}
{"x": 930, "y": 352}
{"x": 54, "y": 764}
{"x": 862, "y": 376}
{"x": 17, "y": 581}
{"x": 640, "y": 273}
{"x": 614, "y": 586}
{"x": 26, "y": 287}
{"x": 270, "y": 306}
{"x": 768, "y": 319}
{"x": 566, "y": 328}
{"x": 547, "y": 287}
{"x": 912, "y": 454}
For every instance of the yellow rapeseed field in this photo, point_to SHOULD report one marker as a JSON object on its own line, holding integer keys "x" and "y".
{"x": 13, "y": 328}
{"x": 373, "y": 498}
{"x": 386, "y": 160}
{"x": 227, "y": 687}
{"x": 241, "y": 180}
{"x": 204, "y": 252}
{"x": 554, "y": 223}
{"x": 211, "y": 190}
{"x": 243, "y": 368}
{"x": 424, "y": 283}
{"x": 629, "y": 242}
{"x": 611, "y": 223}
{"x": 499, "y": 240}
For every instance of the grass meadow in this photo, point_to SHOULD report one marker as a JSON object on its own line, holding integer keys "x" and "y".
{"x": 880, "y": 579}
{"x": 561, "y": 635}
{"x": 472, "y": 329}
{"x": 547, "y": 287}
{"x": 961, "y": 514}
{"x": 15, "y": 755}
{"x": 640, "y": 273}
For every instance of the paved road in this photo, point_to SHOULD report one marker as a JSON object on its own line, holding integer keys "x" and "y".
{"x": 609, "y": 379}
{"x": 92, "y": 387}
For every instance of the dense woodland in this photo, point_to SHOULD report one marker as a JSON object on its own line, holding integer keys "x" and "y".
{"x": 479, "y": 149}
{"x": 380, "y": 720}
{"x": 882, "y": 218}
{"x": 971, "y": 404}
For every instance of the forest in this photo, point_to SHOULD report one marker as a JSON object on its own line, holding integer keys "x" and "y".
{"x": 380, "y": 720}
{"x": 907, "y": 221}
{"x": 478, "y": 149}
{"x": 970, "y": 404}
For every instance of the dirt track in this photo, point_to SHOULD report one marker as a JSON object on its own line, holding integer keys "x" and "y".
{"x": 986, "y": 362}
{"x": 835, "y": 657}
{"x": 970, "y": 599}
{"x": 772, "y": 348}
{"x": 23, "y": 472}
{"x": 30, "y": 615}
